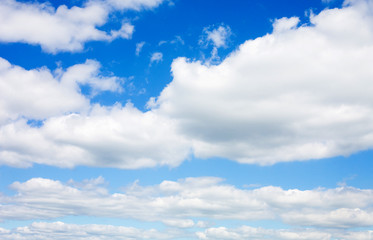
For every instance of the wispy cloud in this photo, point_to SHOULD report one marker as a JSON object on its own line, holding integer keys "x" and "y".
{"x": 156, "y": 57}
{"x": 217, "y": 37}
{"x": 139, "y": 47}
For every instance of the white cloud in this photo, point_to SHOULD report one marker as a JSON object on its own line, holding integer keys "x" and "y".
{"x": 88, "y": 74}
{"x": 39, "y": 93}
{"x": 285, "y": 24}
{"x": 156, "y": 57}
{"x": 246, "y": 232}
{"x": 63, "y": 29}
{"x": 299, "y": 93}
{"x": 74, "y": 132}
{"x": 183, "y": 203}
{"x": 139, "y": 47}
{"x": 118, "y": 136}
{"x": 218, "y": 37}
{"x": 63, "y": 231}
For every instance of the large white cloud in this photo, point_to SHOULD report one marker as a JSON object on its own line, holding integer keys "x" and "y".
{"x": 118, "y": 136}
{"x": 73, "y": 131}
{"x": 185, "y": 202}
{"x": 64, "y": 29}
{"x": 301, "y": 92}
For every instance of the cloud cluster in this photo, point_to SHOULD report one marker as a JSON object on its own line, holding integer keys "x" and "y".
{"x": 302, "y": 92}
{"x": 299, "y": 93}
{"x": 184, "y": 203}
{"x": 73, "y": 131}
{"x": 64, "y": 29}
{"x": 118, "y": 136}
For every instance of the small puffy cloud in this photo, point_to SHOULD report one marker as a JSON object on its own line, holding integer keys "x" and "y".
{"x": 299, "y": 93}
{"x": 63, "y": 29}
{"x": 156, "y": 57}
{"x": 125, "y": 31}
{"x": 139, "y": 47}
{"x": 88, "y": 74}
{"x": 184, "y": 203}
{"x": 218, "y": 37}
{"x": 285, "y": 24}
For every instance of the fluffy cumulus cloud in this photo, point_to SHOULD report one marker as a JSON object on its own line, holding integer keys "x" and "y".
{"x": 71, "y": 131}
{"x": 64, "y": 29}
{"x": 41, "y": 93}
{"x": 118, "y": 136}
{"x": 188, "y": 202}
{"x": 301, "y": 92}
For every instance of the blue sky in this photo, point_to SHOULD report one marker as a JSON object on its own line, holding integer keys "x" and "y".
{"x": 175, "y": 119}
